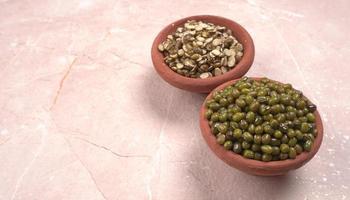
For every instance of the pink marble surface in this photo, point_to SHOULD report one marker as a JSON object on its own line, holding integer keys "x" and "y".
{"x": 84, "y": 115}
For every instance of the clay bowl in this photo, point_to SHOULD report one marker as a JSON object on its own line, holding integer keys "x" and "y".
{"x": 196, "y": 84}
{"x": 255, "y": 167}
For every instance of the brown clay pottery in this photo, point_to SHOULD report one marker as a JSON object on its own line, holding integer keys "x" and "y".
{"x": 208, "y": 84}
{"x": 255, "y": 167}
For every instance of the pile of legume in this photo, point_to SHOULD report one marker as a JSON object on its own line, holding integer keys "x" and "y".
{"x": 201, "y": 50}
{"x": 262, "y": 119}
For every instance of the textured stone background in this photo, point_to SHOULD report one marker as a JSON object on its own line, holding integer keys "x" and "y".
{"x": 84, "y": 115}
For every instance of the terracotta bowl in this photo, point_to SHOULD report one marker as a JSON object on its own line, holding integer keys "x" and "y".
{"x": 196, "y": 84}
{"x": 255, "y": 167}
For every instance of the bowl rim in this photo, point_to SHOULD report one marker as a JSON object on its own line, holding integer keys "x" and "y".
{"x": 238, "y": 71}
{"x": 227, "y": 156}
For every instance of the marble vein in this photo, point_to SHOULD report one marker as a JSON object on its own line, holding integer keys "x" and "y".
{"x": 289, "y": 52}
{"x": 110, "y": 150}
{"x": 62, "y": 82}
{"x": 270, "y": 12}
{"x": 302, "y": 77}
{"x": 5, "y": 141}
{"x": 125, "y": 59}
{"x": 86, "y": 168}
{"x": 43, "y": 133}
{"x": 156, "y": 160}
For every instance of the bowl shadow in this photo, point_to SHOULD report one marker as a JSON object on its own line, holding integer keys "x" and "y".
{"x": 163, "y": 101}
{"x": 214, "y": 179}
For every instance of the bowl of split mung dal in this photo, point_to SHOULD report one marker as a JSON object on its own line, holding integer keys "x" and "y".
{"x": 199, "y": 53}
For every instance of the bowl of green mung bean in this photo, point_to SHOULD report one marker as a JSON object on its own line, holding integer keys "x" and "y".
{"x": 261, "y": 126}
{"x": 199, "y": 53}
